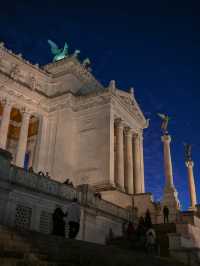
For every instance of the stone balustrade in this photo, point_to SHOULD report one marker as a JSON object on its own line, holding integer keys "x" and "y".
{"x": 32, "y": 181}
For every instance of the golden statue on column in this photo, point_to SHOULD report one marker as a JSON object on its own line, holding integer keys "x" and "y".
{"x": 190, "y": 164}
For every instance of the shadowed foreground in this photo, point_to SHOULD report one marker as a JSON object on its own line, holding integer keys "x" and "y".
{"x": 36, "y": 249}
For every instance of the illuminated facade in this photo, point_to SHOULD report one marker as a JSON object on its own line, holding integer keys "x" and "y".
{"x": 59, "y": 119}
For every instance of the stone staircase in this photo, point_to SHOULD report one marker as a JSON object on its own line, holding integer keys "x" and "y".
{"x": 162, "y": 231}
{"x": 27, "y": 248}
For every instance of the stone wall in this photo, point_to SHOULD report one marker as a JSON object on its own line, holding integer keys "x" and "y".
{"x": 27, "y": 200}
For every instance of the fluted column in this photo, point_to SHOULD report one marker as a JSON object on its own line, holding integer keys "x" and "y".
{"x": 41, "y": 154}
{"x": 142, "y": 163}
{"x": 136, "y": 164}
{"x": 128, "y": 161}
{"x": 119, "y": 154}
{"x": 166, "y": 139}
{"x": 192, "y": 190}
{"x": 5, "y": 124}
{"x": 22, "y": 143}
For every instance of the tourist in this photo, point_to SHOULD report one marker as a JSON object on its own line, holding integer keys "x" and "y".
{"x": 73, "y": 217}
{"x": 148, "y": 222}
{"x": 58, "y": 222}
{"x": 130, "y": 231}
{"x": 30, "y": 169}
{"x": 47, "y": 175}
{"x": 97, "y": 195}
{"x": 41, "y": 173}
{"x": 66, "y": 182}
{"x": 166, "y": 214}
{"x": 141, "y": 233}
{"x": 151, "y": 241}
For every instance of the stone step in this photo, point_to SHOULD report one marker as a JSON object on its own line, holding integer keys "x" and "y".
{"x": 56, "y": 251}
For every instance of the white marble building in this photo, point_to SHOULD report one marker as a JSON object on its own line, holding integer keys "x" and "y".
{"x": 59, "y": 119}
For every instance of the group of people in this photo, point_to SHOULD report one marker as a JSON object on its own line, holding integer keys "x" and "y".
{"x": 68, "y": 183}
{"x": 144, "y": 235}
{"x": 39, "y": 173}
{"x": 71, "y": 218}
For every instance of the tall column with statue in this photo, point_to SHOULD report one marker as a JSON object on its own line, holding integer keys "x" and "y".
{"x": 170, "y": 197}
{"x": 190, "y": 164}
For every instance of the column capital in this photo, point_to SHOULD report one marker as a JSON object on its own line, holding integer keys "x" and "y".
{"x": 26, "y": 111}
{"x": 128, "y": 131}
{"x": 6, "y": 101}
{"x": 166, "y": 138}
{"x": 119, "y": 123}
{"x": 189, "y": 164}
{"x": 136, "y": 136}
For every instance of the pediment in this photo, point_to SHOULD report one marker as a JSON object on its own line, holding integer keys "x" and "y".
{"x": 129, "y": 102}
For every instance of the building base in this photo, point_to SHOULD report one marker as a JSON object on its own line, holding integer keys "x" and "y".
{"x": 117, "y": 197}
{"x": 170, "y": 199}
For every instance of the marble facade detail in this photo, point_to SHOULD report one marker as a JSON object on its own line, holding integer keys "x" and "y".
{"x": 55, "y": 133}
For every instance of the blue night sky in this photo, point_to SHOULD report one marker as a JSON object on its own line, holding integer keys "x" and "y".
{"x": 153, "y": 46}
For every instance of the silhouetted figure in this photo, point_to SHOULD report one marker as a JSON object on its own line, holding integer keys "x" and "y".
{"x": 41, "y": 173}
{"x": 66, "y": 181}
{"x": 30, "y": 169}
{"x": 130, "y": 231}
{"x": 98, "y": 195}
{"x": 166, "y": 214}
{"x": 73, "y": 217}
{"x": 148, "y": 222}
{"x": 47, "y": 175}
{"x": 141, "y": 233}
{"x": 58, "y": 222}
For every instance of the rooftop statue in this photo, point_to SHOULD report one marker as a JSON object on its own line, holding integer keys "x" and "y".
{"x": 86, "y": 62}
{"x": 58, "y": 53}
{"x": 165, "y": 121}
{"x": 188, "y": 152}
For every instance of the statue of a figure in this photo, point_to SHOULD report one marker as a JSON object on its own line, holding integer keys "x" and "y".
{"x": 58, "y": 53}
{"x": 165, "y": 121}
{"x": 15, "y": 71}
{"x": 86, "y": 62}
{"x": 188, "y": 152}
{"x": 76, "y": 53}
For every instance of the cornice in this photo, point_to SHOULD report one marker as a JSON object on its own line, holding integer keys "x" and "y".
{"x": 20, "y": 59}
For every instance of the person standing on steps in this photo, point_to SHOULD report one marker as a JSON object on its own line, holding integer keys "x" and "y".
{"x": 73, "y": 217}
{"x": 166, "y": 214}
{"x": 58, "y": 222}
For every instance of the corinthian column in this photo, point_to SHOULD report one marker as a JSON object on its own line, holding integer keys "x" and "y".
{"x": 128, "y": 161}
{"x": 192, "y": 190}
{"x": 119, "y": 154}
{"x": 142, "y": 163}
{"x": 166, "y": 139}
{"x": 5, "y": 124}
{"x": 137, "y": 164}
{"x": 22, "y": 143}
